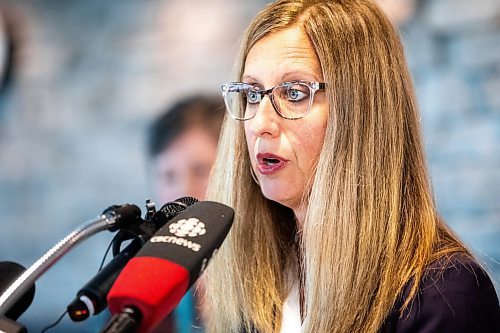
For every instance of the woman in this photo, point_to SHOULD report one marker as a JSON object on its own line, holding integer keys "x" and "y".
{"x": 336, "y": 229}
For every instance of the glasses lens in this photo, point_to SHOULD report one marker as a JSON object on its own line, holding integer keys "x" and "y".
{"x": 242, "y": 100}
{"x": 293, "y": 100}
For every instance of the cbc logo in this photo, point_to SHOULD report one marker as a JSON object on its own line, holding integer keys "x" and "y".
{"x": 191, "y": 227}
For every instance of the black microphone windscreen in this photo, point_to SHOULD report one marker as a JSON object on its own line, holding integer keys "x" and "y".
{"x": 171, "y": 209}
{"x": 9, "y": 272}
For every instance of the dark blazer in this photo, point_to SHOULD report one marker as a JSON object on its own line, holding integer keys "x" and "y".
{"x": 455, "y": 296}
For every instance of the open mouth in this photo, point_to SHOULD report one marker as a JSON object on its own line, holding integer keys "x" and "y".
{"x": 269, "y": 163}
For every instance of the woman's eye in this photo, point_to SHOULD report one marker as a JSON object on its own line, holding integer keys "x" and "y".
{"x": 253, "y": 97}
{"x": 295, "y": 95}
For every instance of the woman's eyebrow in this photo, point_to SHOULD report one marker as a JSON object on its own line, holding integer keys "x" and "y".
{"x": 249, "y": 78}
{"x": 287, "y": 76}
{"x": 300, "y": 74}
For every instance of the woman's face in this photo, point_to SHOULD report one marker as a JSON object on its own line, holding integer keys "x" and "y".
{"x": 283, "y": 152}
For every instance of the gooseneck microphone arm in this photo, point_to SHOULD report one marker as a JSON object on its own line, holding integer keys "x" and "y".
{"x": 109, "y": 220}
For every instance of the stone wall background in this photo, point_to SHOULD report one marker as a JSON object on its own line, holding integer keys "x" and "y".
{"x": 453, "y": 48}
{"x": 88, "y": 77}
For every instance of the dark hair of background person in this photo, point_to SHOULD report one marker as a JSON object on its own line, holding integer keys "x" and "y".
{"x": 206, "y": 112}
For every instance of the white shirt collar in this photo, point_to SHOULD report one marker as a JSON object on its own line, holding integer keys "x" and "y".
{"x": 291, "y": 322}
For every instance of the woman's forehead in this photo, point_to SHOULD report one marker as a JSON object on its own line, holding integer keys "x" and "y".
{"x": 285, "y": 53}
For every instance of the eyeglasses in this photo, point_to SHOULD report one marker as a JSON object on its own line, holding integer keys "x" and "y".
{"x": 291, "y": 100}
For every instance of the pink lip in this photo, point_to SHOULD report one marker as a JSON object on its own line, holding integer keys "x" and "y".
{"x": 265, "y": 168}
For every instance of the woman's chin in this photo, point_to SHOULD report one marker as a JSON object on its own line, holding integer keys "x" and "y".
{"x": 282, "y": 196}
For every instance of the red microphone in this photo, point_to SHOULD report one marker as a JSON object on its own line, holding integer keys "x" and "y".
{"x": 155, "y": 280}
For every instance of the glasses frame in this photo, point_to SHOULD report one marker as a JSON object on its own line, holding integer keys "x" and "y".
{"x": 312, "y": 85}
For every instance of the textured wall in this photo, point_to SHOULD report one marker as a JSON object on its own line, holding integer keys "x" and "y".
{"x": 89, "y": 75}
{"x": 453, "y": 48}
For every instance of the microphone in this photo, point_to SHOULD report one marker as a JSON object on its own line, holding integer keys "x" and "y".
{"x": 9, "y": 272}
{"x": 155, "y": 280}
{"x": 91, "y": 299}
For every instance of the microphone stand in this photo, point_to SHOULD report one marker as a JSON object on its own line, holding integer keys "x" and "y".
{"x": 127, "y": 321}
{"x": 108, "y": 220}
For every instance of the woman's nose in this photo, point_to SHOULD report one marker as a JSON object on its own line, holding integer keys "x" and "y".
{"x": 266, "y": 120}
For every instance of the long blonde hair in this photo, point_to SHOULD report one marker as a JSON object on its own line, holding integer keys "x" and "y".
{"x": 371, "y": 226}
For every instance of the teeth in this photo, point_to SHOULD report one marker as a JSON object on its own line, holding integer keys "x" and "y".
{"x": 270, "y": 161}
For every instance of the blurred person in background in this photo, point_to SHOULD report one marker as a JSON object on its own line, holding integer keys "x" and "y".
{"x": 182, "y": 145}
